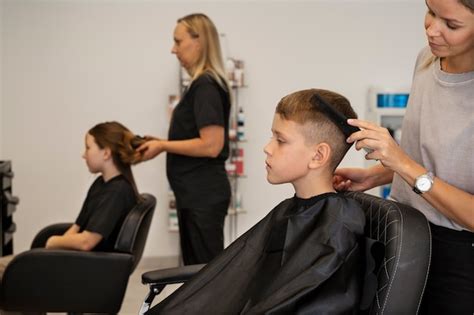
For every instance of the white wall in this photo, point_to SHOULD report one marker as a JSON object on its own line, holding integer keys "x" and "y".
{"x": 69, "y": 65}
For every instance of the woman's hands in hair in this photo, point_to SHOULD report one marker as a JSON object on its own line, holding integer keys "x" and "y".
{"x": 148, "y": 137}
{"x": 382, "y": 147}
{"x": 151, "y": 148}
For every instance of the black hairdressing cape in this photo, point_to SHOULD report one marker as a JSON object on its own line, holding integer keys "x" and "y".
{"x": 304, "y": 257}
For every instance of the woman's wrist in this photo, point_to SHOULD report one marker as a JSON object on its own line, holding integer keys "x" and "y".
{"x": 379, "y": 176}
{"x": 409, "y": 170}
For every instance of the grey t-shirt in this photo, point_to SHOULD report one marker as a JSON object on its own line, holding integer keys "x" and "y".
{"x": 438, "y": 133}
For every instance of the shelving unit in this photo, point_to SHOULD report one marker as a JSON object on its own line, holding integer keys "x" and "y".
{"x": 387, "y": 108}
{"x": 235, "y": 162}
{"x": 8, "y": 204}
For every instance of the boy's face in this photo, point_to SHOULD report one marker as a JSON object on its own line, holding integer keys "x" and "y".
{"x": 288, "y": 154}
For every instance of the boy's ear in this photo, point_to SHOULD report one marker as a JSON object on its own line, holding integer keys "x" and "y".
{"x": 321, "y": 155}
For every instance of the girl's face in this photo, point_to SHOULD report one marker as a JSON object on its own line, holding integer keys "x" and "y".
{"x": 95, "y": 156}
{"x": 449, "y": 27}
{"x": 288, "y": 155}
{"x": 186, "y": 48}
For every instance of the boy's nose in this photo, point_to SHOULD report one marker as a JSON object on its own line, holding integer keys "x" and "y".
{"x": 266, "y": 149}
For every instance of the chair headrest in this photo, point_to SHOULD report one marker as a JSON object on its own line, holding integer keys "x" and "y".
{"x": 405, "y": 235}
{"x": 134, "y": 231}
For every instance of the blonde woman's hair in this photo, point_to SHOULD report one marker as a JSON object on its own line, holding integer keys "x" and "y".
{"x": 428, "y": 62}
{"x": 200, "y": 27}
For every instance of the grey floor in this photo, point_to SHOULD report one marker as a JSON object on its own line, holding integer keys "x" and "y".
{"x": 136, "y": 291}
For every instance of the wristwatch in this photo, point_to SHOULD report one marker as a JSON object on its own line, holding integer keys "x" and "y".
{"x": 423, "y": 183}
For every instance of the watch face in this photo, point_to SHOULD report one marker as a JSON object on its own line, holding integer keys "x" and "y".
{"x": 423, "y": 184}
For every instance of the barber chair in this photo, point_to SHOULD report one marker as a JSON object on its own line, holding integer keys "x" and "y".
{"x": 406, "y": 236}
{"x": 401, "y": 274}
{"x": 45, "y": 280}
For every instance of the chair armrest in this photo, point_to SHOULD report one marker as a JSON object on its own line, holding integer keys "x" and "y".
{"x": 44, "y": 280}
{"x": 50, "y": 230}
{"x": 171, "y": 275}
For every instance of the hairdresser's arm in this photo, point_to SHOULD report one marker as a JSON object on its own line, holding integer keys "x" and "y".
{"x": 453, "y": 202}
{"x": 361, "y": 179}
{"x": 209, "y": 144}
{"x": 83, "y": 241}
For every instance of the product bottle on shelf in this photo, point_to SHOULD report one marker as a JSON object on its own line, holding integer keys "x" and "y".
{"x": 239, "y": 73}
{"x": 172, "y": 213}
{"x": 241, "y": 125}
{"x": 232, "y": 129}
{"x": 238, "y": 202}
{"x": 239, "y": 162}
{"x": 229, "y": 69}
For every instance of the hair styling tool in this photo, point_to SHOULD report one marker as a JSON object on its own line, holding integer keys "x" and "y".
{"x": 336, "y": 117}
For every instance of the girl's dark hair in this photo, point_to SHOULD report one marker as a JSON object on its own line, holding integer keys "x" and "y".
{"x": 122, "y": 144}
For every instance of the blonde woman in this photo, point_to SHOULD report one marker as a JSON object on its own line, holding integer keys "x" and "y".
{"x": 433, "y": 169}
{"x": 198, "y": 142}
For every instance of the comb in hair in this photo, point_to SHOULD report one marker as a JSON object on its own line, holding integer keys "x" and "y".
{"x": 336, "y": 117}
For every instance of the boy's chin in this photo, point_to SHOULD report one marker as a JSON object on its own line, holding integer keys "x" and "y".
{"x": 273, "y": 181}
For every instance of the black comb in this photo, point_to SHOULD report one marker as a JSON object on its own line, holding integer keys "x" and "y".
{"x": 336, "y": 117}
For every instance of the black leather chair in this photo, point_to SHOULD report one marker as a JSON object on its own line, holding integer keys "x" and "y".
{"x": 401, "y": 275}
{"x": 44, "y": 280}
{"x": 406, "y": 236}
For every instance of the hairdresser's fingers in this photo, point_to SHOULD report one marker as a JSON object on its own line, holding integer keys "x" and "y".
{"x": 359, "y": 135}
{"x": 366, "y": 133}
{"x": 377, "y": 149}
{"x": 364, "y": 124}
{"x": 389, "y": 153}
{"x": 369, "y": 144}
{"x": 149, "y": 150}
{"x": 142, "y": 148}
{"x": 150, "y": 137}
{"x": 372, "y": 155}
{"x": 342, "y": 186}
{"x": 147, "y": 155}
{"x": 337, "y": 180}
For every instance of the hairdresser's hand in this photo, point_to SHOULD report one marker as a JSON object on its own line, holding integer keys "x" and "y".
{"x": 376, "y": 138}
{"x": 148, "y": 138}
{"x": 351, "y": 179}
{"x": 150, "y": 149}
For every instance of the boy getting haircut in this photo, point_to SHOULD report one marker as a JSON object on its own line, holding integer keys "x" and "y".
{"x": 304, "y": 256}
{"x": 309, "y": 108}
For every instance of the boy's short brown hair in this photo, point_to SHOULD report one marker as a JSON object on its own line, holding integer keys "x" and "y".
{"x": 317, "y": 126}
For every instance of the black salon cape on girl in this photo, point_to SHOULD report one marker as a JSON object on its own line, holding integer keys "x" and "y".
{"x": 300, "y": 259}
